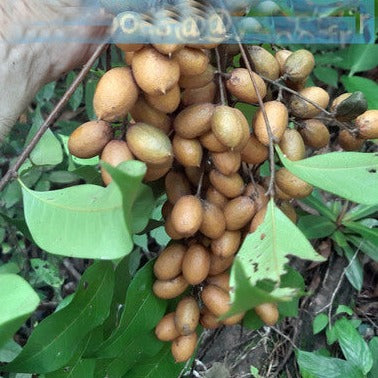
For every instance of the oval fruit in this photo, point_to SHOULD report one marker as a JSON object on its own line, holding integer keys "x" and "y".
{"x": 166, "y": 209}
{"x": 230, "y": 186}
{"x": 258, "y": 219}
{"x": 315, "y": 133}
{"x": 210, "y": 142}
{"x": 130, "y": 47}
{"x": 167, "y": 48}
{"x": 349, "y": 142}
{"x": 170, "y": 289}
{"x": 216, "y": 300}
{"x": 169, "y": 263}
{"x": 188, "y": 152}
{"x": 245, "y": 130}
{"x": 89, "y": 139}
{"x": 187, "y": 316}
{"x": 149, "y": 144}
{"x": 216, "y": 198}
{"x": 219, "y": 265}
{"x": 114, "y": 153}
{"x": 209, "y": 320}
{"x": 227, "y": 245}
{"x": 254, "y": 152}
{"x": 116, "y": 93}
{"x": 176, "y": 186}
{"x": 292, "y": 145}
{"x": 196, "y": 264}
{"x": 170, "y": 229}
{"x": 194, "y": 121}
{"x": 166, "y": 328}
{"x": 197, "y": 81}
{"x": 191, "y": 61}
{"x": 241, "y": 86}
{"x": 268, "y": 313}
{"x": 183, "y": 347}
{"x": 281, "y": 57}
{"x": 258, "y": 195}
{"x": 200, "y": 95}
{"x": 238, "y": 212}
{"x": 220, "y": 280}
{"x": 187, "y": 215}
{"x": 213, "y": 224}
{"x": 157, "y": 171}
{"x": 288, "y": 209}
{"x": 227, "y": 162}
{"x": 292, "y": 185}
{"x": 166, "y": 103}
{"x": 143, "y": 112}
{"x": 264, "y": 62}
{"x": 194, "y": 175}
{"x": 303, "y": 109}
{"x": 299, "y": 65}
{"x": 278, "y": 117}
{"x": 367, "y": 124}
{"x": 154, "y": 72}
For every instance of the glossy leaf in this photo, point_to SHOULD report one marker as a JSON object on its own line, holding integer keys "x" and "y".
{"x": 329, "y": 172}
{"x": 368, "y": 87}
{"x": 373, "y": 346}
{"x": 87, "y": 221}
{"x": 56, "y": 339}
{"x": 18, "y": 301}
{"x": 263, "y": 257}
{"x": 316, "y": 203}
{"x": 319, "y": 323}
{"x": 316, "y": 227}
{"x": 327, "y": 75}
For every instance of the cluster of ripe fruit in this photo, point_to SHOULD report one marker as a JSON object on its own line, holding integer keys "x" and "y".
{"x": 204, "y": 151}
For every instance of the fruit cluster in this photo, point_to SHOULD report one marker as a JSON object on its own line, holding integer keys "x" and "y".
{"x": 210, "y": 160}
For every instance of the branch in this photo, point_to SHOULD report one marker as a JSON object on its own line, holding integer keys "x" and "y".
{"x": 12, "y": 172}
{"x": 220, "y": 78}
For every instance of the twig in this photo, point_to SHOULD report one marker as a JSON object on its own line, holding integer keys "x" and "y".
{"x": 284, "y": 336}
{"x": 222, "y": 90}
{"x": 12, "y": 172}
{"x": 71, "y": 269}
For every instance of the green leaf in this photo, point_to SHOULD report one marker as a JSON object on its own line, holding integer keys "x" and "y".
{"x": 329, "y": 172}
{"x": 82, "y": 368}
{"x": 327, "y": 75}
{"x": 354, "y": 347}
{"x": 360, "y": 211}
{"x": 316, "y": 227}
{"x": 352, "y": 106}
{"x": 9, "y": 351}
{"x": 18, "y": 301}
{"x": 365, "y": 246}
{"x": 373, "y": 346}
{"x": 316, "y": 366}
{"x": 316, "y": 203}
{"x": 370, "y": 234}
{"x": 368, "y": 87}
{"x": 77, "y": 97}
{"x": 341, "y": 309}
{"x": 45, "y": 273}
{"x": 319, "y": 323}
{"x": 142, "y": 311}
{"x": 86, "y": 221}
{"x": 55, "y": 340}
{"x": 360, "y": 57}
{"x": 263, "y": 257}
{"x": 354, "y": 272}
{"x": 90, "y": 88}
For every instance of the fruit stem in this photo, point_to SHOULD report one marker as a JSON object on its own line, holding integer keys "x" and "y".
{"x": 222, "y": 90}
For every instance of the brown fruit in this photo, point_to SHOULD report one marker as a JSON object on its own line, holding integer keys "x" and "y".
{"x": 170, "y": 230}
{"x": 299, "y": 65}
{"x": 194, "y": 175}
{"x": 258, "y": 195}
{"x": 187, "y": 316}
{"x": 183, "y": 347}
{"x": 210, "y": 142}
{"x": 281, "y": 195}
{"x": 234, "y": 319}
{"x": 303, "y": 109}
{"x": 198, "y": 81}
{"x": 227, "y": 162}
{"x": 338, "y": 100}
{"x": 349, "y": 142}
{"x": 144, "y": 112}
{"x": 149, "y": 144}
{"x": 116, "y": 93}
{"x": 264, "y": 62}
{"x": 245, "y": 130}
{"x": 219, "y": 265}
{"x": 129, "y": 58}
{"x": 130, "y": 47}
{"x": 230, "y": 186}
{"x": 166, "y": 328}
{"x": 227, "y": 245}
{"x": 156, "y": 171}
{"x": 292, "y": 145}
{"x": 254, "y": 152}
{"x": 315, "y": 133}
{"x": 281, "y": 57}
{"x": 288, "y": 209}
{"x": 268, "y": 312}
{"x": 155, "y": 73}
{"x": 166, "y": 103}
{"x": 176, "y": 186}
{"x": 89, "y": 139}
{"x": 114, "y": 153}
{"x": 216, "y": 300}
{"x": 191, "y": 61}
{"x": 188, "y": 152}
{"x": 196, "y": 264}
{"x": 209, "y": 320}
{"x": 194, "y": 121}
{"x": 292, "y": 185}
{"x": 220, "y": 280}
{"x": 238, "y": 212}
{"x": 216, "y": 198}
{"x": 187, "y": 215}
{"x": 170, "y": 289}
{"x": 167, "y": 48}
{"x": 257, "y": 220}
{"x": 367, "y": 124}
{"x": 201, "y": 95}
{"x": 169, "y": 263}
{"x": 278, "y": 117}
{"x": 213, "y": 224}
{"x": 166, "y": 209}
{"x": 241, "y": 86}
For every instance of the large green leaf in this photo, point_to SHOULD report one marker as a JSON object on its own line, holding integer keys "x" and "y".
{"x": 360, "y": 211}
{"x": 88, "y": 221}
{"x": 327, "y": 75}
{"x": 373, "y": 346}
{"x": 370, "y": 234}
{"x": 57, "y": 338}
{"x": 368, "y": 87}
{"x": 18, "y": 300}
{"x": 262, "y": 258}
{"x": 365, "y": 246}
{"x": 354, "y": 347}
{"x": 142, "y": 311}
{"x": 316, "y": 226}
{"x": 352, "y": 175}
{"x": 354, "y": 273}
